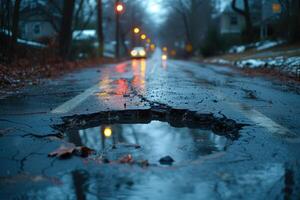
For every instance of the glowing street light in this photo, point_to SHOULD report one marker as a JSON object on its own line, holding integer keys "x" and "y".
{"x": 136, "y": 30}
{"x": 152, "y": 47}
{"x": 119, "y": 8}
{"x": 107, "y": 132}
{"x": 143, "y": 36}
{"x": 189, "y": 48}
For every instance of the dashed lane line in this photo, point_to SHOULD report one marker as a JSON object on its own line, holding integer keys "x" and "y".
{"x": 74, "y": 102}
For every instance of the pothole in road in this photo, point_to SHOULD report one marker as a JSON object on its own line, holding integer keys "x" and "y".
{"x": 158, "y": 134}
{"x": 149, "y": 142}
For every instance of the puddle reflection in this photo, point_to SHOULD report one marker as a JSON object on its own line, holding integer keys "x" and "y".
{"x": 164, "y": 64}
{"x": 110, "y": 87}
{"x": 157, "y": 139}
{"x": 139, "y": 68}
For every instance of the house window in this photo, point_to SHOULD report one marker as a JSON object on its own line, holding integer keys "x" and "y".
{"x": 233, "y": 20}
{"x": 37, "y": 29}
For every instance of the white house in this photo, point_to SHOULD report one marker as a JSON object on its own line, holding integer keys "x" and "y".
{"x": 231, "y": 22}
{"x": 38, "y": 20}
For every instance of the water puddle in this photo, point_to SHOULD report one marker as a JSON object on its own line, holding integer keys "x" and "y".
{"x": 150, "y": 141}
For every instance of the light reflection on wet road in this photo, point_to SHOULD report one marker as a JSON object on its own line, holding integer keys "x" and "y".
{"x": 260, "y": 165}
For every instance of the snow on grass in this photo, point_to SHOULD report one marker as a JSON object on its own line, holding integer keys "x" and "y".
{"x": 31, "y": 43}
{"x": 259, "y": 46}
{"x": 287, "y": 65}
{"x": 23, "y": 41}
{"x": 251, "y": 63}
{"x": 88, "y": 34}
{"x": 220, "y": 61}
{"x": 268, "y": 44}
{"x": 290, "y": 65}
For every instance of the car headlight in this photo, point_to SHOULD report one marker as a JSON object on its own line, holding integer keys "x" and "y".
{"x": 133, "y": 52}
{"x": 142, "y": 53}
{"x": 164, "y": 57}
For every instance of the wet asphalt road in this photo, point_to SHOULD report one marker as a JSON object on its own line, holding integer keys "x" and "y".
{"x": 263, "y": 163}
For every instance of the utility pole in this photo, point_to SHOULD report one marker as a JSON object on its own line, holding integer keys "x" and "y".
{"x": 100, "y": 28}
{"x": 119, "y": 9}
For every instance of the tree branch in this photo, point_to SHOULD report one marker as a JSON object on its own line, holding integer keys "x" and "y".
{"x": 236, "y": 9}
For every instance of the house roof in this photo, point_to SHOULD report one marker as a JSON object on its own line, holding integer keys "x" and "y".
{"x": 39, "y": 9}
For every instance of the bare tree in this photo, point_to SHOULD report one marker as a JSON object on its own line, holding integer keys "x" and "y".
{"x": 15, "y": 29}
{"x": 290, "y": 18}
{"x": 65, "y": 36}
{"x": 247, "y": 16}
{"x": 195, "y": 16}
{"x": 184, "y": 8}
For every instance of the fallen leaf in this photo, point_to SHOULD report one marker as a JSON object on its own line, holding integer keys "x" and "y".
{"x": 126, "y": 159}
{"x": 69, "y": 149}
{"x": 84, "y": 151}
{"x": 63, "y": 151}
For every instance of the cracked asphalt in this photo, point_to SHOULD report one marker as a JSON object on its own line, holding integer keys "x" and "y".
{"x": 263, "y": 163}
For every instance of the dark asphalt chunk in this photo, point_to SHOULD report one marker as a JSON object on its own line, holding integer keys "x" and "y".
{"x": 175, "y": 117}
{"x": 167, "y": 160}
{"x": 250, "y": 94}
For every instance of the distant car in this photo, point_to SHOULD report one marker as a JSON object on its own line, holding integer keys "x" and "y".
{"x": 164, "y": 56}
{"x": 138, "y": 52}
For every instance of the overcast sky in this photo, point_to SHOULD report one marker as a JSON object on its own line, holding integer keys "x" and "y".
{"x": 159, "y": 13}
{"x": 156, "y": 10}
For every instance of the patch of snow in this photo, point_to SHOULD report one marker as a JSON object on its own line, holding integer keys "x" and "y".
{"x": 108, "y": 54}
{"x": 269, "y": 44}
{"x": 237, "y": 49}
{"x": 84, "y": 34}
{"x": 290, "y": 65}
{"x": 259, "y": 46}
{"x": 31, "y": 43}
{"x": 23, "y": 41}
{"x": 5, "y": 32}
{"x": 220, "y": 61}
{"x": 251, "y": 63}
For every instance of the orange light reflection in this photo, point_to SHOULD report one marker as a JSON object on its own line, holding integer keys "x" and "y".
{"x": 120, "y": 68}
{"x": 139, "y": 68}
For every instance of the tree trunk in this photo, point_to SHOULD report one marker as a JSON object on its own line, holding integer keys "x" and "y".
{"x": 117, "y": 36}
{"x": 65, "y": 37}
{"x": 100, "y": 28}
{"x": 15, "y": 30}
{"x": 187, "y": 29}
{"x": 247, "y": 16}
{"x": 249, "y": 26}
{"x": 123, "y": 39}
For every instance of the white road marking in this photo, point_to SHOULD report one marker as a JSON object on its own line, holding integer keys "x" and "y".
{"x": 255, "y": 116}
{"x": 77, "y": 100}
{"x": 258, "y": 118}
{"x": 252, "y": 114}
{"x": 74, "y": 102}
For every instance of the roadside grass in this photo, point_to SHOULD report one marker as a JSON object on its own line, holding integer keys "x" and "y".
{"x": 285, "y": 51}
{"x": 282, "y": 50}
{"x": 24, "y": 72}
